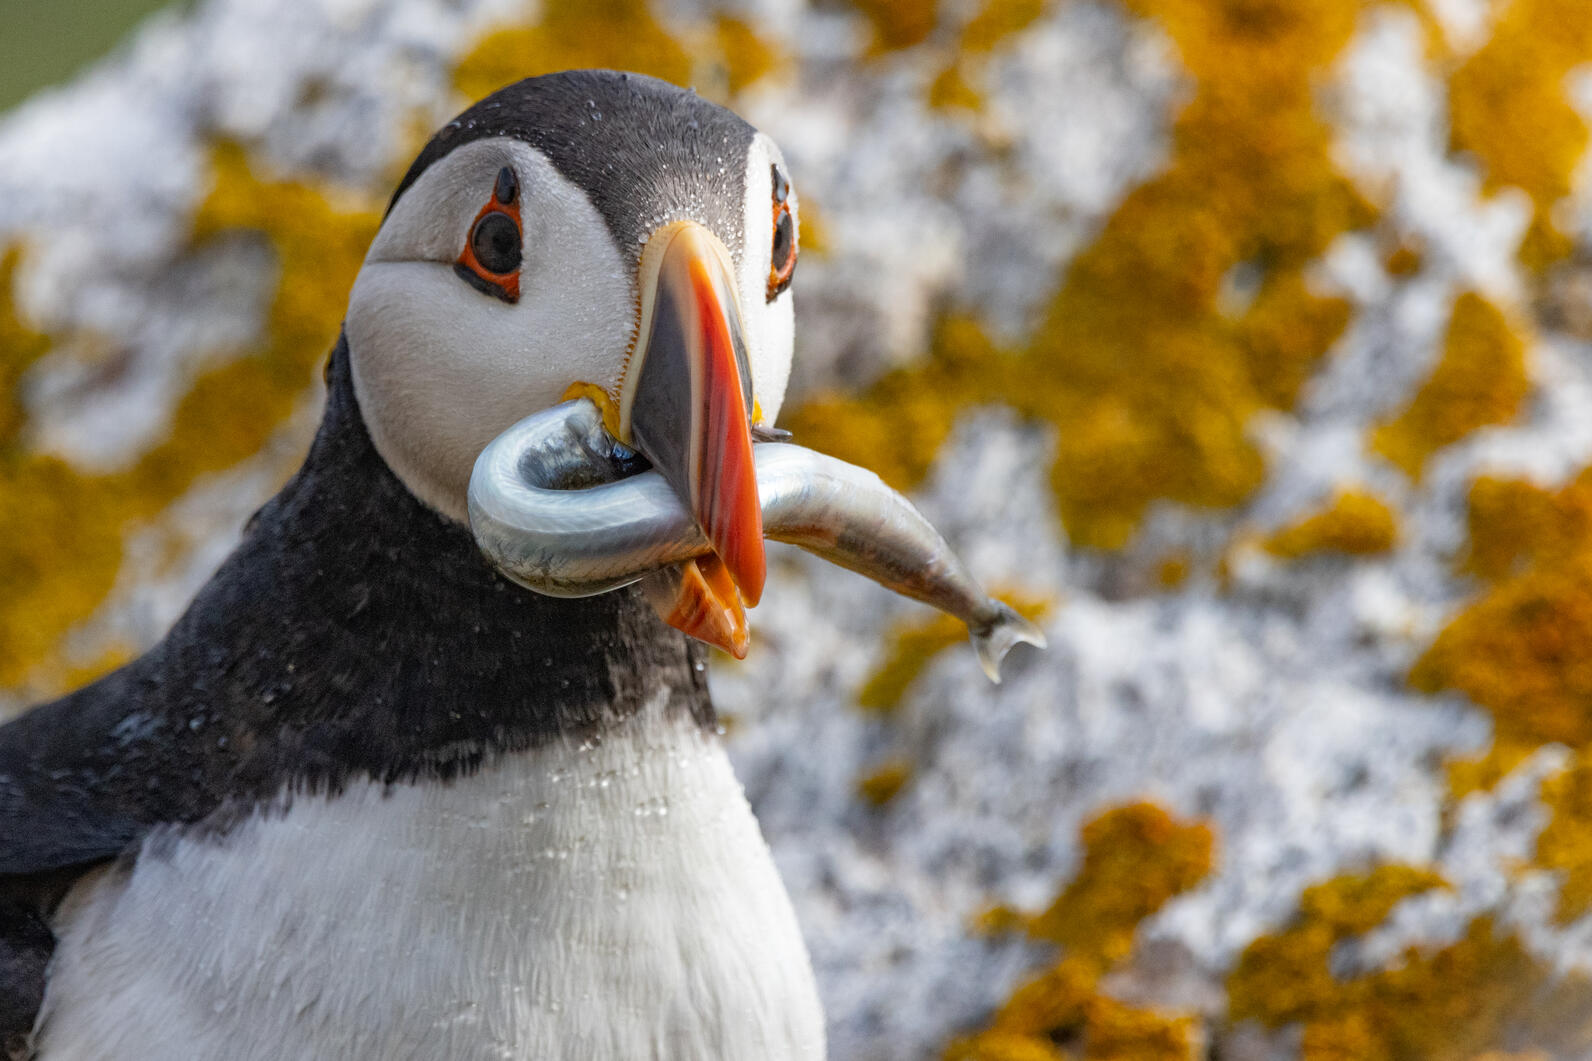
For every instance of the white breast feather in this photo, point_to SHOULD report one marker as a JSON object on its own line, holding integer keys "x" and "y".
{"x": 610, "y": 900}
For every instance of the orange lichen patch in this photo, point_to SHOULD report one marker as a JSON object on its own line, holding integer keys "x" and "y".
{"x": 20, "y": 347}
{"x": 747, "y": 57}
{"x": 1173, "y": 570}
{"x": 1480, "y": 380}
{"x": 1136, "y": 857}
{"x": 1565, "y": 843}
{"x": 1151, "y": 383}
{"x": 570, "y": 34}
{"x": 1284, "y": 334}
{"x": 1521, "y": 649}
{"x": 911, "y": 648}
{"x": 896, "y": 426}
{"x": 1062, "y": 1014}
{"x": 1524, "y": 652}
{"x": 1403, "y": 260}
{"x": 898, "y": 24}
{"x": 61, "y": 537}
{"x": 319, "y": 237}
{"x": 1005, "y": 1046}
{"x": 951, "y": 89}
{"x": 1514, "y": 523}
{"x": 912, "y": 645}
{"x": 814, "y": 231}
{"x": 1453, "y": 1003}
{"x": 995, "y": 22}
{"x": 885, "y": 782}
{"x": 1483, "y": 772}
{"x": 1509, "y": 107}
{"x": 1287, "y": 977}
{"x": 1355, "y": 522}
{"x": 60, "y": 546}
{"x": 1506, "y": 518}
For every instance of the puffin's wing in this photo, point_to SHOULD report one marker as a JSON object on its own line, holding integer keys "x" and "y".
{"x": 77, "y": 782}
{"x": 25, "y": 947}
{"x": 81, "y": 779}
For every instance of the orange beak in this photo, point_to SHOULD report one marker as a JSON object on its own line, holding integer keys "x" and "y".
{"x": 685, "y": 405}
{"x": 699, "y": 598}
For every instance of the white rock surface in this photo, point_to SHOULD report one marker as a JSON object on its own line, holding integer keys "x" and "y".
{"x": 1276, "y": 708}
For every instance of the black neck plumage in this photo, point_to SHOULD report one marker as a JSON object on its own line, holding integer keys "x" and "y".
{"x": 406, "y": 640}
{"x": 353, "y": 633}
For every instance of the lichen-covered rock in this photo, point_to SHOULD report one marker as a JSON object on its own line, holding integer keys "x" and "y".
{"x": 1247, "y": 343}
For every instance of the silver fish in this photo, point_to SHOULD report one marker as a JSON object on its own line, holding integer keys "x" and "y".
{"x": 549, "y": 509}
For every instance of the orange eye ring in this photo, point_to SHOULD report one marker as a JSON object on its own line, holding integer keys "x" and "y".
{"x": 782, "y": 260}
{"x": 490, "y": 261}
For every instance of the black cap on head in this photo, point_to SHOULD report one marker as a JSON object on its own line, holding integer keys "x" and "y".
{"x": 643, "y": 150}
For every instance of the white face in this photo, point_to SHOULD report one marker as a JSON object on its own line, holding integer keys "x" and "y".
{"x": 441, "y": 368}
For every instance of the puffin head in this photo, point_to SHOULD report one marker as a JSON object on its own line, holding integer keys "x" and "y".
{"x": 585, "y": 233}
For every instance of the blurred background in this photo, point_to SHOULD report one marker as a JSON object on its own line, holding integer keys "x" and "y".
{"x": 44, "y": 44}
{"x": 1243, "y": 343}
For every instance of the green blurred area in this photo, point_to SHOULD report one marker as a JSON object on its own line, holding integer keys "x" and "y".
{"x": 44, "y": 42}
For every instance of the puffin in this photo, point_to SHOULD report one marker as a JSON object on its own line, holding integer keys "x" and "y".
{"x": 368, "y": 798}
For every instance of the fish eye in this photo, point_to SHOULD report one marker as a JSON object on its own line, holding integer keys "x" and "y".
{"x": 782, "y": 262}
{"x": 490, "y": 261}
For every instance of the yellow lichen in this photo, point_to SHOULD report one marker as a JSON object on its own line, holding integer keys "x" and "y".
{"x": 885, "y": 782}
{"x": 1482, "y": 773}
{"x": 1509, "y": 107}
{"x": 1520, "y": 649}
{"x": 998, "y": 21}
{"x": 1005, "y": 1046}
{"x": 912, "y": 645}
{"x": 719, "y": 56}
{"x": 748, "y": 58}
{"x": 1505, "y": 517}
{"x": 227, "y": 414}
{"x": 1136, "y": 857}
{"x": 1173, "y": 570}
{"x": 1152, "y": 383}
{"x": 1524, "y": 652}
{"x": 895, "y": 427}
{"x": 1480, "y": 380}
{"x": 951, "y": 89}
{"x": 58, "y": 559}
{"x": 570, "y": 34}
{"x": 1287, "y": 976}
{"x": 814, "y": 232}
{"x": 1356, "y": 523}
{"x": 1065, "y": 1005}
{"x": 319, "y": 237}
{"x": 1453, "y": 1003}
{"x": 1513, "y": 524}
{"x": 1565, "y": 843}
{"x": 1403, "y": 260}
{"x": 995, "y": 22}
{"x": 20, "y": 347}
{"x": 898, "y": 24}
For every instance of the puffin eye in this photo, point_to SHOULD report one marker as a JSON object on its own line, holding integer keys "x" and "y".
{"x": 490, "y": 261}
{"x": 496, "y": 242}
{"x": 782, "y": 263}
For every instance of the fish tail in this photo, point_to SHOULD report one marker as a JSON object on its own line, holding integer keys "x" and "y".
{"x": 992, "y": 640}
